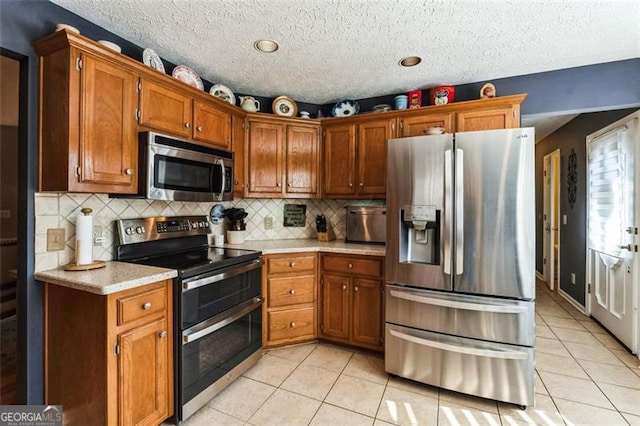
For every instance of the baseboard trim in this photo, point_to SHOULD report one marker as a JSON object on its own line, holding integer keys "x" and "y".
{"x": 540, "y": 276}
{"x": 571, "y": 300}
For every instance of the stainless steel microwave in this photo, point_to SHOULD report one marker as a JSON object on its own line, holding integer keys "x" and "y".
{"x": 178, "y": 170}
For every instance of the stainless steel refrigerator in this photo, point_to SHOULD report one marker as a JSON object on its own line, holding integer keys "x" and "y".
{"x": 460, "y": 262}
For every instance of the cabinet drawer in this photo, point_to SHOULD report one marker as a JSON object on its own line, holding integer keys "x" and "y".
{"x": 291, "y": 324}
{"x": 131, "y": 308}
{"x": 353, "y": 265}
{"x": 283, "y": 291}
{"x": 281, "y": 265}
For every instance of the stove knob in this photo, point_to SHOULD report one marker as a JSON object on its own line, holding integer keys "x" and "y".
{"x": 139, "y": 230}
{"x": 128, "y": 231}
{"x": 194, "y": 225}
{"x": 201, "y": 224}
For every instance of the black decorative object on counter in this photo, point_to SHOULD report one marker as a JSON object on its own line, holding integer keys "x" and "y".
{"x": 236, "y": 219}
{"x": 572, "y": 177}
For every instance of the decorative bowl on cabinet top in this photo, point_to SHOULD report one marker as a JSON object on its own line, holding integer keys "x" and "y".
{"x": 345, "y": 108}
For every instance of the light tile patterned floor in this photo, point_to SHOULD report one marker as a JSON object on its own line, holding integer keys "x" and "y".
{"x": 583, "y": 377}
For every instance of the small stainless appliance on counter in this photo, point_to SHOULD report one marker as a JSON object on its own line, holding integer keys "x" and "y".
{"x": 460, "y": 262}
{"x": 366, "y": 224}
{"x": 217, "y": 302}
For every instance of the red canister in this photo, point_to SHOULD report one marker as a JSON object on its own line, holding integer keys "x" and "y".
{"x": 442, "y": 95}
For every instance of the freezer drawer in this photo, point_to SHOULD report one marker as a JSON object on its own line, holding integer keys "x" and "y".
{"x": 489, "y": 370}
{"x": 485, "y": 318}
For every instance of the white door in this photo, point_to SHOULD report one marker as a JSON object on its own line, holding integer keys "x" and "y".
{"x": 551, "y": 229}
{"x": 612, "y": 229}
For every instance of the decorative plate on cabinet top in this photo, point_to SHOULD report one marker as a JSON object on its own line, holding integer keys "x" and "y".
{"x": 284, "y": 106}
{"x": 223, "y": 92}
{"x": 345, "y": 108}
{"x": 187, "y": 75}
{"x": 151, "y": 59}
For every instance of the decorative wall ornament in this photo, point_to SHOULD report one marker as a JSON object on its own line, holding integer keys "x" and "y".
{"x": 572, "y": 177}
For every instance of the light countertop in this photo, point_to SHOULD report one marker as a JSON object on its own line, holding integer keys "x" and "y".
{"x": 310, "y": 245}
{"x": 116, "y": 276}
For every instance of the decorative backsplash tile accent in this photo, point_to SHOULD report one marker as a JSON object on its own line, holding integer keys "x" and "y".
{"x": 59, "y": 210}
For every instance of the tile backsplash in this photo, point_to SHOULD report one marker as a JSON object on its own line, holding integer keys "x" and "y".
{"x": 59, "y": 210}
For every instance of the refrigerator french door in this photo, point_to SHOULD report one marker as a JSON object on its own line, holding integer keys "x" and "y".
{"x": 460, "y": 262}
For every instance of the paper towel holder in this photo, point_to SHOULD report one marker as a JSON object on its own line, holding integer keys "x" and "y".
{"x": 73, "y": 266}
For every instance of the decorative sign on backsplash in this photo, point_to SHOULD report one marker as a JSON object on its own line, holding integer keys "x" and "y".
{"x": 295, "y": 215}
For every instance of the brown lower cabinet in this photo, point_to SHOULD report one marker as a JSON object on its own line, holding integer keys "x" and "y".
{"x": 351, "y": 298}
{"x": 289, "y": 286}
{"x": 109, "y": 358}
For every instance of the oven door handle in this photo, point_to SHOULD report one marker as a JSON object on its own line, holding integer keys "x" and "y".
{"x": 214, "y": 324}
{"x": 229, "y": 272}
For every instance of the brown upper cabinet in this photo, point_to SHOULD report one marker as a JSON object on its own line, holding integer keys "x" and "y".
{"x": 282, "y": 158}
{"x": 355, "y": 156}
{"x": 88, "y": 134}
{"x": 417, "y": 125}
{"x": 499, "y": 117}
{"x": 166, "y": 109}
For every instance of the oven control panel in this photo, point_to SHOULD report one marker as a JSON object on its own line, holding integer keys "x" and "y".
{"x": 156, "y": 228}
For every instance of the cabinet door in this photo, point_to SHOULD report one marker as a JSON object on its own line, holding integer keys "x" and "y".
{"x": 417, "y": 125}
{"x": 211, "y": 125}
{"x": 303, "y": 155}
{"x": 367, "y": 311}
{"x": 143, "y": 377}
{"x": 164, "y": 109}
{"x": 488, "y": 119}
{"x": 335, "y": 307}
{"x": 264, "y": 155}
{"x": 238, "y": 138}
{"x": 339, "y": 160}
{"x": 372, "y": 157}
{"x": 108, "y": 138}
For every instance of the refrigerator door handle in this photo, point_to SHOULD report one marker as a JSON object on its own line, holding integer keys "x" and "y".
{"x": 448, "y": 203}
{"x": 459, "y": 349}
{"x": 469, "y": 306}
{"x": 459, "y": 211}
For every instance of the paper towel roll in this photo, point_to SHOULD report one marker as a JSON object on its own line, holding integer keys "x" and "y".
{"x": 84, "y": 237}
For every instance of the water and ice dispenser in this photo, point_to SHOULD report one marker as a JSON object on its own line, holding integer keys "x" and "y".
{"x": 420, "y": 234}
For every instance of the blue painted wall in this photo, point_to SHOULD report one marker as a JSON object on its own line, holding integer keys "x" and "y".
{"x": 614, "y": 85}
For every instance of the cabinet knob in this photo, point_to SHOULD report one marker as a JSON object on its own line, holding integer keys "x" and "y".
{"x": 344, "y": 286}
{"x": 162, "y": 334}
{"x": 292, "y": 324}
{"x": 361, "y": 184}
{"x": 292, "y": 291}
{"x": 129, "y": 171}
{"x": 187, "y": 125}
{"x": 350, "y": 184}
{"x": 350, "y": 265}
{"x": 292, "y": 264}
{"x": 235, "y": 182}
{"x": 146, "y": 306}
{"x": 355, "y": 288}
{"x": 199, "y": 128}
{"x": 289, "y": 185}
{"x": 278, "y": 184}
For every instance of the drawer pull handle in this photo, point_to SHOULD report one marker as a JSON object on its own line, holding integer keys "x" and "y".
{"x": 146, "y": 306}
{"x": 292, "y": 264}
{"x": 292, "y": 291}
{"x": 344, "y": 286}
{"x": 350, "y": 265}
{"x": 162, "y": 334}
{"x": 292, "y": 324}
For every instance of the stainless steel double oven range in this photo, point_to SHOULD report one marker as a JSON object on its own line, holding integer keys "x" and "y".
{"x": 217, "y": 302}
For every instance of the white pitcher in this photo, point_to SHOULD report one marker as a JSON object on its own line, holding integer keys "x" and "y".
{"x": 248, "y": 103}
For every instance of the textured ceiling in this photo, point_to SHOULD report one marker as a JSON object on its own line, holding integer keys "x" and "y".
{"x": 349, "y": 49}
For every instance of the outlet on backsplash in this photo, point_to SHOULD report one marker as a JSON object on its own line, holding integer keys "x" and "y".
{"x": 98, "y": 237}
{"x": 268, "y": 223}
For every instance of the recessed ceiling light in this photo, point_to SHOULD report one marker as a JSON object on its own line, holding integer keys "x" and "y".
{"x": 410, "y": 61}
{"x": 266, "y": 46}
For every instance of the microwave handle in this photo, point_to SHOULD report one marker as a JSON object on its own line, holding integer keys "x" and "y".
{"x": 224, "y": 177}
